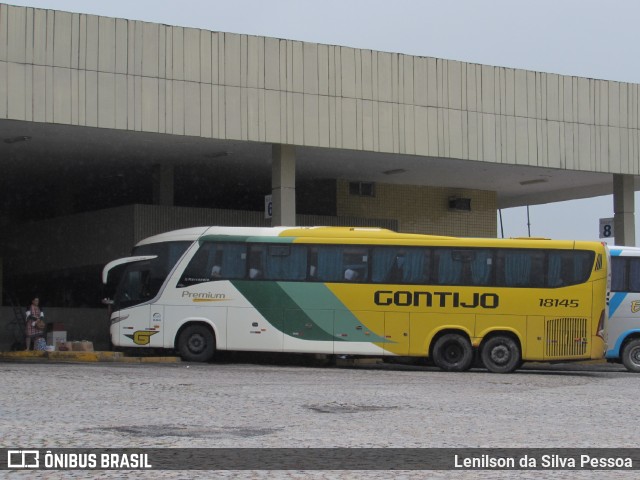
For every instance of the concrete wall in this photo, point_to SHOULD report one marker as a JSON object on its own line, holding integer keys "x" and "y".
{"x": 113, "y": 73}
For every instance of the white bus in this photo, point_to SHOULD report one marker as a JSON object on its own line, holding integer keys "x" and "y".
{"x": 358, "y": 291}
{"x": 623, "y": 328}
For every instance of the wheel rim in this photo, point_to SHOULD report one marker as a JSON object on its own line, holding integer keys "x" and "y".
{"x": 635, "y": 356}
{"x": 196, "y": 343}
{"x": 453, "y": 352}
{"x": 500, "y": 354}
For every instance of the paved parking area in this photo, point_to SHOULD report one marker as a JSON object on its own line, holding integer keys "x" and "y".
{"x": 54, "y": 405}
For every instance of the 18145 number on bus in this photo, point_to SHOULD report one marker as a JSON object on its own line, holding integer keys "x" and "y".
{"x": 559, "y": 302}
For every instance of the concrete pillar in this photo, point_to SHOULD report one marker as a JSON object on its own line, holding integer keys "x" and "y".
{"x": 283, "y": 185}
{"x": 163, "y": 185}
{"x": 623, "y": 210}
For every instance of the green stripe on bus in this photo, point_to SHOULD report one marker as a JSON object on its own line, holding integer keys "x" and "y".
{"x": 272, "y": 301}
{"x": 315, "y": 298}
{"x": 308, "y": 310}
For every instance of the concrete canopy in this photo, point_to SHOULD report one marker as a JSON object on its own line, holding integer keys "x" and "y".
{"x": 70, "y": 155}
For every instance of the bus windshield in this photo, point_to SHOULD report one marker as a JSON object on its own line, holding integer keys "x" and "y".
{"x": 141, "y": 281}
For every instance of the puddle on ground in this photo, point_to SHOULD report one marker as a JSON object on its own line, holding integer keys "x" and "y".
{"x": 346, "y": 408}
{"x": 185, "y": 431}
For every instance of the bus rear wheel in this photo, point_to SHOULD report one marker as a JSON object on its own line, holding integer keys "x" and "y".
{"x": 196, "y": 344}
{"x": 501, "y": 354}
{"x": 453, "y": 353}
{"x": 631, "y": 355}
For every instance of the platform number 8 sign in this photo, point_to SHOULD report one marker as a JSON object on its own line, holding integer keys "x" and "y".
{"x": 606, "y": 228}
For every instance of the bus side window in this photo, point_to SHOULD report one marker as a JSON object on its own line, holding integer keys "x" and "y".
{"x": 286, "y": 262}
{"x": 199, "y": 268}
{"x": 448, "y": 267}
{"x": 396, "y": 274}
{"x": 582, "y": 266}
{"x": 341, "y": 263}
{"x": 216, "y": 272}
{"x": 256, "y": 261}
{"x": 555, "y": 270}
{"x": 568, "y": 267}
{"x": 329, "y": 258}
{"x": 521, "y": 268}
{"x": 312, "y": 261}
{"x": 481, "y": 267}
{"x": 355, "y": 262}
{"x": 463, "y": 266}
{"x": 215, "y": 258}
{"x": 619, "y": 274}
{"x": 400, "y": 265}
{"x": 387, "y": 265}
{"x": 232, "y": 259}
{"x": 215, "y": 261}
{"x": 634, "y": 274}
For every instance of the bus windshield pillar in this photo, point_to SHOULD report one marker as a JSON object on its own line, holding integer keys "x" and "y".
{"x": 283, "y": 185}
{"x": 623, "y": 210}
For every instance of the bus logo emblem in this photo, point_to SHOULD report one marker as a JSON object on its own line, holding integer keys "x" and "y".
{"x": 635, "y": 306}
{"x": 141, "y": 337}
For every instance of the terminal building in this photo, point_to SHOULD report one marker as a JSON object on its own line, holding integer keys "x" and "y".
{"x": 112, "y": 130}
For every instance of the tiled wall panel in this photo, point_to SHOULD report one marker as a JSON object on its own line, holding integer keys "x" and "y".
{"x": 124, "y": 74}
{"x": 431, "y": 215}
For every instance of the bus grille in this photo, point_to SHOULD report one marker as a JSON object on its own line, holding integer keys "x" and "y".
{"x": 566, "y": 337}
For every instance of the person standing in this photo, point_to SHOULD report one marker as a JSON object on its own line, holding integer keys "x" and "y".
{"x": 33, "y": 317}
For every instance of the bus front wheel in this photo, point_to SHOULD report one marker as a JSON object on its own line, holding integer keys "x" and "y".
{"x": 631, "y": 355}
{"x": 453, "y": 353}
{"x": 196, "y": 344}
{"x": 501, "y": 354}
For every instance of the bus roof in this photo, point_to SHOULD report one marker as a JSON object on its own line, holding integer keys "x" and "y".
{"x": 192, "y": 234}
{"x": 374, "y": 235}
{"x": 622, "y": 251}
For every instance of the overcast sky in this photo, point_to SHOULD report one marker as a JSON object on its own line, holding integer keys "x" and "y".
{"x": 588, "y": 38}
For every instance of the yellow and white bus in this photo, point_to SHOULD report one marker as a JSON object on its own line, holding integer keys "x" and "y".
{"x": 360, "y": 291}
